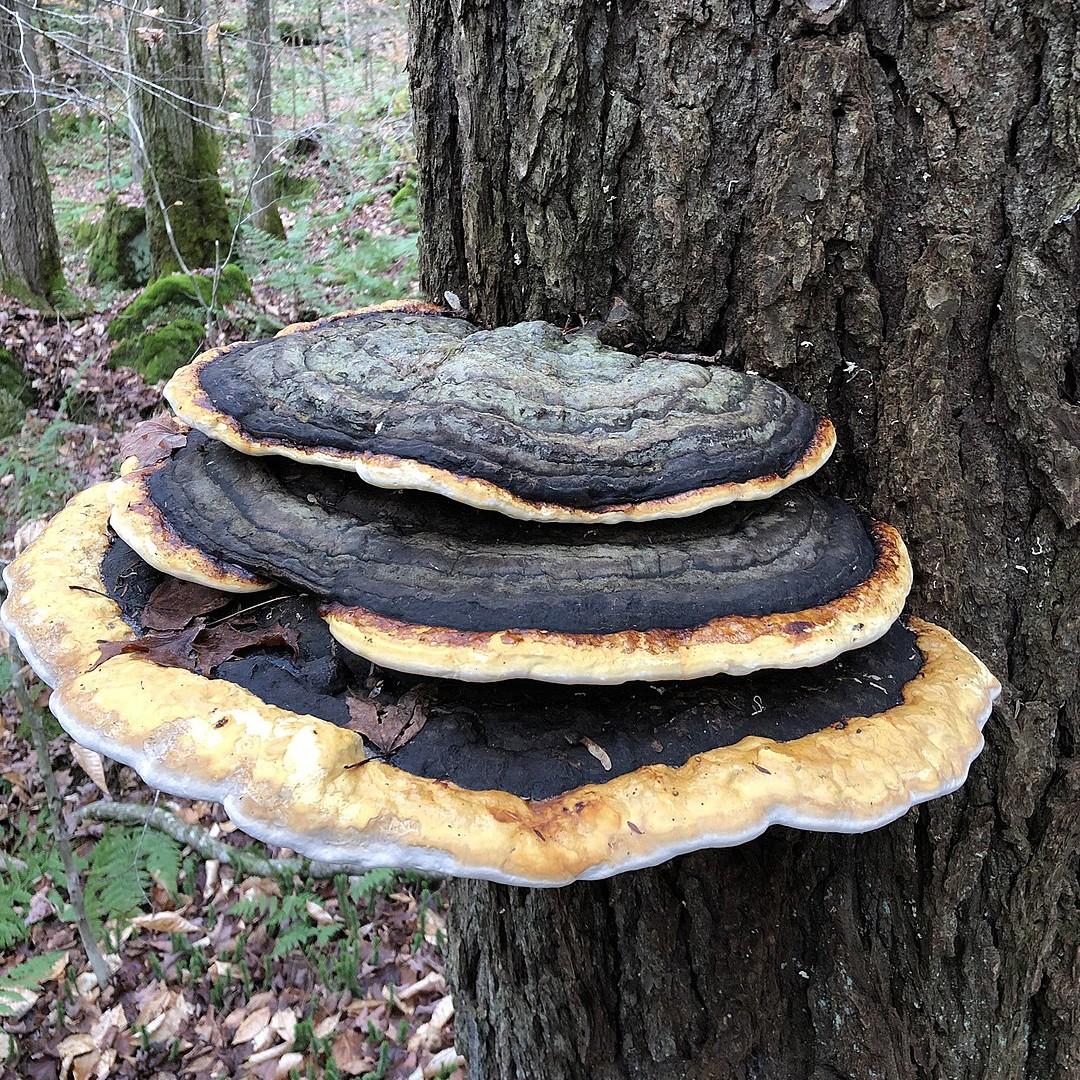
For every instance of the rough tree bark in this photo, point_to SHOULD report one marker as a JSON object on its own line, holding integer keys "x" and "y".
{"x": 874, "y": 202}
{"x": 186, "y": 218}
{"x": 264, "y": 211}
{"x": 30, "y": 267}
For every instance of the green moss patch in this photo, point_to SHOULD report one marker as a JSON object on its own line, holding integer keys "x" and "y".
{"x": 119, "y": 250}
{"x": 164, "y": 327}
{"x": 158, "y": 353}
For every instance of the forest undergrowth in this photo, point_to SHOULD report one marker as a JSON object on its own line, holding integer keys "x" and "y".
{"x": 226, "y": 958}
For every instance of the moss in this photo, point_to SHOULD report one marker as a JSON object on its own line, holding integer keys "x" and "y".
{"x": 403, "y": 204}
{"x": 157, "y": 353}
{"x": 177, "y": 294}
{"x": 119, "y": 251}
{"x": 198, "y": 215}
{"x": 18, "y": 290}
{"x": 292, "y": 189}
{"x": 164, "y": 326}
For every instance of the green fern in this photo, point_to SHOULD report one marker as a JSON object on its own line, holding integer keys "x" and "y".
{"x": 14, "y": 901}
{"x": 122, "y": 865}
{"x": 22, "y": 980}
{"x": 17, "y": 886}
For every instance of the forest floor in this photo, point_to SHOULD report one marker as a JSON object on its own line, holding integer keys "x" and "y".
{"x": 216, "y": 970}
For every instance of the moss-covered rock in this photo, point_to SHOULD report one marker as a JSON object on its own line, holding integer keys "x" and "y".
{"x": 178, "y": 294}
{"x": 120, "y": 251}
{"x": 163, "y": 328}
{"x": 156, "y": 354}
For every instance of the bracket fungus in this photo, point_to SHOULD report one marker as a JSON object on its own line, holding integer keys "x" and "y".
{"x": 525, "y": 784}
{"x": 424, "y": 585}
{"x": 526, "y": 420}
{"x": 841, "y": 717}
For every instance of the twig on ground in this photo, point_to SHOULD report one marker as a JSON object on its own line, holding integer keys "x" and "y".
{"x": 209, "y": 847}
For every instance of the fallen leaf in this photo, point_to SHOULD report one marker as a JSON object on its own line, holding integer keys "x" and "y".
{"x": 252, "y": 1025}
{"x": 350, "y": 1053}
{"x": 153, "y": 440}
{"x": 93, "y": 764}
{"x": 284, "y": 1023}
{"x": 319, "y": 914}
{"x": 17, "y": 1001}
{"x": 216, "y": 644}
{"x": 163, "y": 1017}
{"x": 175, "y": 604}
{"x": 288, "y": 1063}
{"x": 169, "y": 648}
{"x": 326, "y": 1027}
{"x": 442, "y": 1061}
{"x": 198, "y": 647}
{"x": 597, "y": 751}
{"x": 41, "y": 907}
{"x": 74, "y": 1045}
{"x": 28, "y": 533}
{"x": 389, "y": 728}
{"x": 165, "y": 922}
{"x": 432, "y": 982}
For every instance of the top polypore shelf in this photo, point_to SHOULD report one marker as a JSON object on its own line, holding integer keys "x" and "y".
{"x": 526, "y": 420}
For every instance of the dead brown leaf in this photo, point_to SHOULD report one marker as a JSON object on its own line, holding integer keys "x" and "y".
{"x": 153, "y": 440}
{"x": 216, "y": 644}
{"x": 351, "y": 1054}
{"x": 253, "y": 1025}
{"x": 391, "y": 727}
{"x": 168, "y": 648}
{"x": 93, "y": 764}
{"x": 199, "y": 647}
{"x": 165, "y": 922}
{"x": 175, "y": 604}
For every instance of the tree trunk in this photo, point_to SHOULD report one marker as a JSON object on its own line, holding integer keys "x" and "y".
{"x": 30, "y": 267}
{"x": 32, "y": 65}
{"x": 264, "y": 212}
{"x": 875, "y": 204}
{"x": 186, "y": 218}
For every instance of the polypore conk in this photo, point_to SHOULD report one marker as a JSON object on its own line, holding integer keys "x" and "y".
{"x": 422, "y": 584}
{"x": 531, "y": 786}
{"x": 526, "y": 420}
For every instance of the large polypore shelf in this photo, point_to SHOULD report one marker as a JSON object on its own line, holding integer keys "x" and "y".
{"x": 527, "y": 420}
{"x": 846, "y": 747}
{"x": 428, "y": 586}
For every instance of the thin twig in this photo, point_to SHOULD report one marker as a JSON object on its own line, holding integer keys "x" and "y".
{"x": 56, "y": 810}
{"x": 209, "y": 847}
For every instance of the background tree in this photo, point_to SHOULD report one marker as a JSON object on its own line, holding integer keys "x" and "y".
{"x": 874, "y": 203}
{"x": 186, "y": 217}
{"x": 30, "y": 266}
{"x": 264, "y": 212}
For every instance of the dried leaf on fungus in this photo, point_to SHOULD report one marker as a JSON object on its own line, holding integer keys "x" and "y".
{"x": 175, "y": 604}
{"x": 153, "y": 440}
{"x": 200, "y": 648}
{"x": 169, "y": 648}
{"x": 389, "y": 728}
{"x": 216, "y": 644}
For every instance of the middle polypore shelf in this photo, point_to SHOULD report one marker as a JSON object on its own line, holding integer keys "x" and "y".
{"x": 425, "y": 585}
